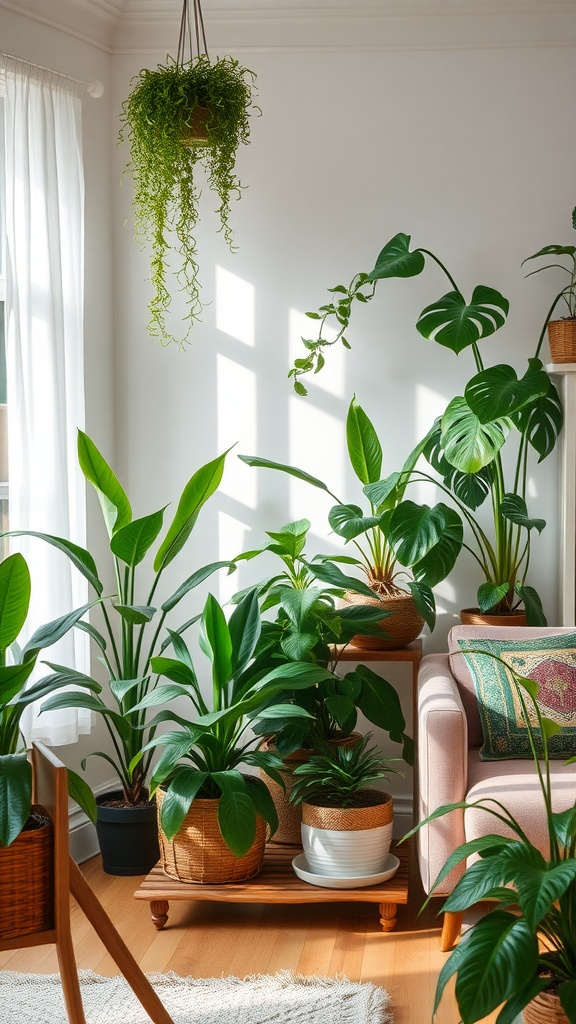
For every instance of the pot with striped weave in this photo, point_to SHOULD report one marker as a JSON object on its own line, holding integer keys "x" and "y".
{"x": 346, "y": 824}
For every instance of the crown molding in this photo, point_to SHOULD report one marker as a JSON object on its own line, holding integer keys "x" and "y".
{"x": 90, "y": 21}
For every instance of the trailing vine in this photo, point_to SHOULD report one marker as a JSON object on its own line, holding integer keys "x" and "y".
{"x": 157, "y": 115}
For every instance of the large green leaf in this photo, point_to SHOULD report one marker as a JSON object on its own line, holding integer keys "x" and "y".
{"x": 532, "y": 604}
{"x": 131, "y": 542}
{"x": 470, "y": 445}
{"x": 300, "y": 474}
{"x": 490, "y": 594}
{"x": 498, "y": 392}
{"x": 113, "y": 499}
{"x": 513, "y": 507}
{"x": 79, "y": 557}
{"x": 470, "y": 488}
{"x": 327, "y": 572}
{"x": 178, "y": 799}
{"x": 424, "y": 601}
{"x": 539, "y": 886}
{"x": 299, "y": 603}
{"x": 12, "y": 681}
{"x": 379, "y": 701}
{"x": 236, "y": 812}
{"x": 136, "y": 614}
{"x": 193, "y": 581}
{"x": 349, "y": 521}
{"x": 14, "y": 598}
{"x": 364, "y": 448}
{"x": 50, "y": 633}
{"x": 386, "y": 493}
{"x": 551, "y": 250}
{"x": 196, "y": 492}
{"x": 455, "y": 324}
{"x": 440, "y": 559}
{"x": 261, "y": 797}
{"x": 80, "y": 699}
{"x": 541, "y": 421}
{"x": 244, "y": 627}
{"x": 216, "y": 642}
{"x": 396, "y": 260}
{"x": 80, "y": 791}
{"x": 15, "y": 795}
{"x": 416, "y": 531}
{"x": 499, "y": 954}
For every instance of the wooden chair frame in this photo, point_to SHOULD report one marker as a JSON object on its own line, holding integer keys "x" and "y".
{"x": 51, "y": 792}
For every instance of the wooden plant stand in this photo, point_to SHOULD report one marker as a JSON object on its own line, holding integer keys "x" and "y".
{"x": 276, "y": 883}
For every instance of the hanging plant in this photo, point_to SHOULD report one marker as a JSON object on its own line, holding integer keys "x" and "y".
{"x": 184, "y": 114}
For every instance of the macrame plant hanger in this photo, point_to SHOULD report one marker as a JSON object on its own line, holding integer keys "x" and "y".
{"x": 186, "y": 37}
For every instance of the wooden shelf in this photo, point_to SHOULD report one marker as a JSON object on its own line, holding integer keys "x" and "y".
{"x": 276, "y": 883}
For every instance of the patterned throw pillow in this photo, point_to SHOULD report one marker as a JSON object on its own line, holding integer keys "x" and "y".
{"x": 551, "y": 662}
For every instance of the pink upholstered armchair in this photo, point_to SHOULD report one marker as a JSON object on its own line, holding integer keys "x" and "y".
{"x": 450, "y": 769}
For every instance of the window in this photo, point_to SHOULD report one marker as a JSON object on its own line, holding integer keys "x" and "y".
{"x": 3, "y": 409}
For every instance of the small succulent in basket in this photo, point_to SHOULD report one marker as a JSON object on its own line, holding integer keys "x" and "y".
{"x": 524, "y": 951}
{"x": 341, "y": 776}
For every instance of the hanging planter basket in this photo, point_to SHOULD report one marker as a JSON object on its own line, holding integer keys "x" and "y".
{"x": 187, "y": 115}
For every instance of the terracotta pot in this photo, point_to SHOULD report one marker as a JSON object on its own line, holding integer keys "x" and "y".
{"x": 474, "y": 617}
{"x": 399, "y": 628}
{"x": 562, "y": 340}
{"x": 545, "y": 1008}
{"x": 289, "y": 816}
{"x": 198, "y": 852}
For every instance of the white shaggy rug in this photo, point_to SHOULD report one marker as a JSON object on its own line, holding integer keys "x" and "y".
{"x": 283, "y": 998}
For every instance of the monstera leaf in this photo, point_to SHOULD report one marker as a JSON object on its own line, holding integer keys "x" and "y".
{"x": 396, "y": 260}
{"x": 427, "y": 539}
{"x": 469, "y": 445}
{"x": 498, "y": 392}
{"x": 470, "y": 488}
{"x": 541, "y": 421}
{"x": 455, "y": 324}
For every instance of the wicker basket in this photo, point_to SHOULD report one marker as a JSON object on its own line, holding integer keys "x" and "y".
{"x": 27, "y": 882}
{"x": 562, "y": 340}
{"x": 545, "y": 1008}
{"x": 198, "y": 852}
{"x": 474, "y": 617}
{"x": 399, "y": 628}
{"x": 196, "y": 134}
{"x": 375, "y": 814}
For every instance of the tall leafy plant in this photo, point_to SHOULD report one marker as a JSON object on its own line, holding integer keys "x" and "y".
{"x": 527, "y": 945}
{"x": 135, "y": 618}
{"x": 201, "y": 757}
{"x": 465, "y": 446}
{"x": 16, "y": 694}
{"x": 438, "y": 530}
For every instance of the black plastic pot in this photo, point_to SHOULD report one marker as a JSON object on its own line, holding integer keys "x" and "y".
{"x": 128, "y": 836}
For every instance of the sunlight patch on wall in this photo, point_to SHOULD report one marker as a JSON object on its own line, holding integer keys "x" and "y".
{"x": 235, "y": 304}
{"x": 331, "y": 379}
{"x": 232, "y": 539}
{"x": 429, "y": 404}
{"x": 236, "y": 389}
{"x": 316, "y": 444}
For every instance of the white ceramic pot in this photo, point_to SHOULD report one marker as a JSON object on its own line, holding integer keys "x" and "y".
{"x": 346, "y": 854}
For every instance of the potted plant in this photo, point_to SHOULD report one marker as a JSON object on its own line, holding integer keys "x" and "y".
{"x": 181, "y": 116}
{"x": 25, "y": 833}
{"x": 134, "y": 627}
{"x": 561, "y": 332}
{"x": 428, "y": 561}
{"x": 312, "y": 624}
{"x": 346, "y": 823}
{"x": 464, "y": 447}
{"x": 212, "y": 817}
{"x": 524, "y": 958}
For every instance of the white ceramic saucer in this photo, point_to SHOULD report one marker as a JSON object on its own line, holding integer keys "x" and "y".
{"x": 302, "y": 869}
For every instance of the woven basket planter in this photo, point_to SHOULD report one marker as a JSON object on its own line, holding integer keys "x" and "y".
{"x": 474, "y": 617}
{"x": 196, "y": 134}
{"x": 348, "y": 842}
{"x": 399, "y": 628}
{"x": 198, "y": 852}
{"x": 288, "y": 832}
{"x": 545, "y": 1008}
{"x": 27, "y": 882}
{"x": 562, "y": 340}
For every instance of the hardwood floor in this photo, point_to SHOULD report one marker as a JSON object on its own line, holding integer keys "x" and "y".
{"x": 210, "y": 939}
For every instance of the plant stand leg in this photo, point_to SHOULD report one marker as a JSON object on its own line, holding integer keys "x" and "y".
{"x": 116, "y": 946}
{"x": 388, "y": 916}
{"x": 451, "y": 926}
{"x": 159, "y": 911}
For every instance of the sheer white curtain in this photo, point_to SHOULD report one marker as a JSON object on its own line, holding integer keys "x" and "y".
{"x": 45, "y": 372}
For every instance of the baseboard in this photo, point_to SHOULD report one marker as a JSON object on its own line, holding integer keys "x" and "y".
{"x": 83, "y": 839}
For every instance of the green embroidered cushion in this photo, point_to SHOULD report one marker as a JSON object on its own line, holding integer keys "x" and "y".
{"x": 551, "y": 662}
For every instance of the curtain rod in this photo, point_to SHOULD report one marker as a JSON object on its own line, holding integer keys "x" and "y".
{"x": 95, "y": 89}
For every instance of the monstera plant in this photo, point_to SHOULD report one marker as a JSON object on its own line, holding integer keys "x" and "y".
{"x": 464, "y": 448}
